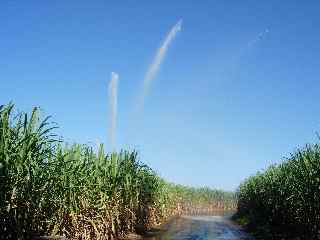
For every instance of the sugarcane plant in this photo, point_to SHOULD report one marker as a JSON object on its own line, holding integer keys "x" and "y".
{"x": 48, "y": 187}
{"x": 284, "y": 200}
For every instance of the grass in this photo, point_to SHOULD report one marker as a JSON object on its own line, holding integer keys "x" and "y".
{"x": 284, "y": 200}
{"x": 48, "y": 187}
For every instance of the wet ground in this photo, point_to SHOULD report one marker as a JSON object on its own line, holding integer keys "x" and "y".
{"x": 201, "y": 227}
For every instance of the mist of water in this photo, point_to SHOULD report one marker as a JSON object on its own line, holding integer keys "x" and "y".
{"x": 156, "y": 63}
{"x": 235, "y": 60}
{"x": 113, "y": 101}
{"x": 258, "y": 38}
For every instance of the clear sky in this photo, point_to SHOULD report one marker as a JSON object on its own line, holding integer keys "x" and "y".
{"x": 237, "y": 91}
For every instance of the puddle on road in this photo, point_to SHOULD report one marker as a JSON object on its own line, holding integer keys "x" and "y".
{"x": 201, "y": 227}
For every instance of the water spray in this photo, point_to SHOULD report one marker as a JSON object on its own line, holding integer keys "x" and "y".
{"x": 156, "y": 63}
{"x": 113, "y": 101}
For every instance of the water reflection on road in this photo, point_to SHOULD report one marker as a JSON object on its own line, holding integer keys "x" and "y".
{"x": 201, "y": 227}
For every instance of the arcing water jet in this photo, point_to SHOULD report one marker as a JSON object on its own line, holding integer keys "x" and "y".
{"x": 156, "y": 63}
{"x": 113, "y": 101}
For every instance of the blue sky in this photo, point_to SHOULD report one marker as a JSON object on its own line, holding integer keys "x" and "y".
{"x": 236, "y": 92}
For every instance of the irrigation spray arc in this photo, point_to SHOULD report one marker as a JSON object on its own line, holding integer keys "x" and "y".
{"x": 113, "y": 101}
{"x": 156, "y": 63}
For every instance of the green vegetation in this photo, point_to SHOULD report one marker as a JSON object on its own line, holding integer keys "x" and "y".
{"x": 284, "y": 200}
{"x": 50, "y": 188}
